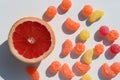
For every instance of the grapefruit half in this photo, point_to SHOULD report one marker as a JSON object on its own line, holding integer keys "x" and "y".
{"x": 31, "y": 39}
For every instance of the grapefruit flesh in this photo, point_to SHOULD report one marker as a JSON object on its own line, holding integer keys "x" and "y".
{"x": 35, "y": 42}
{"x": 31, "y": 39}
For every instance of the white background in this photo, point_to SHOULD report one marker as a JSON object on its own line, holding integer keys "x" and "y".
{"x": 12, "y": 10}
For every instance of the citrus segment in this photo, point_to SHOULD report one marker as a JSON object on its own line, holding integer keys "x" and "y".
{"x": 31, "y": 39}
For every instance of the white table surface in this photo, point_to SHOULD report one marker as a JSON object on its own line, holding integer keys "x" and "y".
{"x": 12, "y": 10}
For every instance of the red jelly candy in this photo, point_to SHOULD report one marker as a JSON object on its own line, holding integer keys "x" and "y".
{"x": 103, "y": 30}
{"x": 114, "y": 48}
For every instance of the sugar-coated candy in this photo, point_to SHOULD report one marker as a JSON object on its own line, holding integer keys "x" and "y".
{"x": 81, "y": 67}
{"x": 103, "y": 31}
{"x": 67, "y": 47}
{"x": 51, "y": 11}
{"x": 66, "y": 71}
{"x": 87, "y": 10}
{"x": 84, "y": 35}
{"x": 87, "y": 56}
{"x": 79, "y": 48}
{"x": 55, "y": 66}
{"x": 98, "y": 49}
{"x": 107, "y": 71}
{"x": 66, "y": 5}
{"x": 115, "y": 67}
{"x": 95, "y": 16}
{"x": 114, "y": 48}
{"x": 112, "y": 35}
{"x": 86, "y": 77}
{"x": 71, "y": 25}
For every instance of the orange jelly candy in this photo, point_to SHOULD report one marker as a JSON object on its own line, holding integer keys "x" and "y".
{"x": 113, "y": 35}
{"x": 71, "y": 24}
{"x": 67, "y": 47}
{"x": 51, "y": 11}
{"x": 79, "y": 48}
{"x": 55, "y": 66}
{"x": 98, "y": 49}
{"x": 66, "y": 72}
{"x": 116, "y": 67}
{"x": 107, "y": 71}
{"x": 66, "y": 5}
{"x": 81, "y": 67}
{"x": 87, "y": 10}
{"x": 32, "y": 71}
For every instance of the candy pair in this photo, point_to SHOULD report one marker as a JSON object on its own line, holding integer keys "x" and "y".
{"x": 55, "y": 66}
{"x": 52, "y": 11}
{"x": 87, "y": 12}
{"x": 110, "y": 35}
{"x": 68, "y": 46}
{"x": 110, "y": 71}
{"x": 88, "y": 55}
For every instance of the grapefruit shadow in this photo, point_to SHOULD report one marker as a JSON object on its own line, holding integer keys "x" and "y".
{"x": 10, "y": 67}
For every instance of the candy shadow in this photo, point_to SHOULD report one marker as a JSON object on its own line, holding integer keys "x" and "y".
{"x": 45, "y": 18}
{"x": 109, "y": 55}
{"x": 61, "y": 77}
{"x": 97, "y": 37}
{"x": 10, "y": 67}
{"x": 49, "y": 74}
{"x": 77, "y": 40}
{"x": 60, "y": 11}
{"x": 73, "y": 55}
{"x": 81, "y": 16}
{"x": 75, "y": 71}
{"x": 88, "y": 24}
{"x": 106, "y": 42}
{"x": 101, "y": 76}
{"x": 95, "y": 56}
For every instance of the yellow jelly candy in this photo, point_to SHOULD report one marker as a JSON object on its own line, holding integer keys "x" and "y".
{"x": 96, "y": 15}
{"x": 86, "y": 77}
{"x": 87, "y": 56}
{"x": 84, "y": 35}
